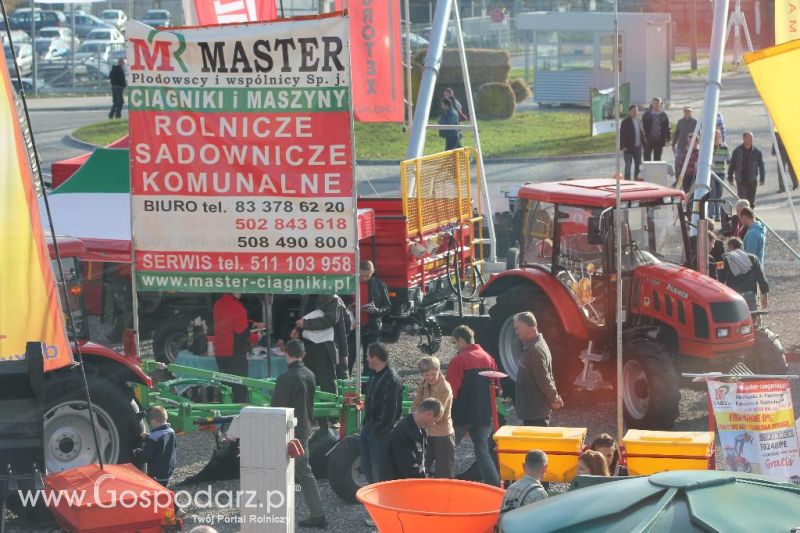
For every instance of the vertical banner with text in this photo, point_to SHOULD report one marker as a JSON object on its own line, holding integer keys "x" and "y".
{"x": 756, "y": 426}
{"x": 376, "y": 50}
{"x": 211, "y": 12}
{"x": 242, "y": 157}
{"x": 787, "y": 20}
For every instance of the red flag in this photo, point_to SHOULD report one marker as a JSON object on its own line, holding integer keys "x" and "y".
{"x": 376, "y": 59}
{"x": 210, "y": 12}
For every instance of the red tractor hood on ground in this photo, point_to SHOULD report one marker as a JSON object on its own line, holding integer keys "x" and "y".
{"x": 686, "y": 283}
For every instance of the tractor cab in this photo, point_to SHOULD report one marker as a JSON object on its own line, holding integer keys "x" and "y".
{"x": 568, "y": 231}
{"x": 70, "y": 288}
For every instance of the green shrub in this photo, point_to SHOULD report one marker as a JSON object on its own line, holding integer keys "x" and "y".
{"x": 521, "y": 90}
{"x": 495, "y": 101}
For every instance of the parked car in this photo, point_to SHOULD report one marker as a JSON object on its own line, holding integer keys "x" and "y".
{"x": 50, "y": 50}
{"x": 41, "y": 19}
{"x": 114, "y": 17}
{"x": 158, "y": 18}
{"x": 110, "y": 35}
{"x": 61, "y": 36}
{"x": 97, "y": 51}
{"x": 417, "y": 42}
{"x": 17, "y": 37}
{"x": 24, "y": 58}
{"x": 84, "y": 23}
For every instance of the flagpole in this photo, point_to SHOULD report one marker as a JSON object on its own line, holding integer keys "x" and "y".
{"x": 618, "y": 228}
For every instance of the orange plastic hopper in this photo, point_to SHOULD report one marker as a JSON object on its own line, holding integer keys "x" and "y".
{"x": 440, "y": 505}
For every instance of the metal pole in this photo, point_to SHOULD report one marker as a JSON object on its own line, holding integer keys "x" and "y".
{"x": 34, "y": 54}
{"x": 409, "y": 67}
{"x": 618, "y": 229}
{"x": 72, "y": 46}
{"x": 693, "y": 23}
{"x": 433, "y": 59}
{"x": 476, "y": 140}
{"x": 710, "y": 103}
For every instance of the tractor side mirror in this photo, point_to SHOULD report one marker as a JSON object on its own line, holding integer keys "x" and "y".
{"x": 594, "y": 234}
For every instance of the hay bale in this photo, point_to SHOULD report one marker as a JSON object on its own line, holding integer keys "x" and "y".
{"x": 495, "y": 101}
{"x": 522, "y": 90}
{"x": 485, "y": 66}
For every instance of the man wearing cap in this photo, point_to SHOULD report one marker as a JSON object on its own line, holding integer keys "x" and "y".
{"x": 684, "y": 127}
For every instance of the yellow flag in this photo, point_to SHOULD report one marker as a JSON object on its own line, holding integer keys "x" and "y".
{"x": 787, "y": 20}
{"x": 776, "y": 73}
{"x": 29, "y": 306}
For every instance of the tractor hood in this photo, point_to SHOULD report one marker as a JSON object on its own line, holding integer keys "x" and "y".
{"x": 696, "y": 306}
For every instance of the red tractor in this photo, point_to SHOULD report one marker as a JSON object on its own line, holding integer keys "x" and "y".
{"x": 675, "y": 319}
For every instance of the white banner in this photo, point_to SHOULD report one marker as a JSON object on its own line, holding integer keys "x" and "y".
{"x": 757, "y": 427}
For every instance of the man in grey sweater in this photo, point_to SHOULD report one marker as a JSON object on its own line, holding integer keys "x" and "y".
{"x": 680, "y": 136}
{"x": 536, "y": 388}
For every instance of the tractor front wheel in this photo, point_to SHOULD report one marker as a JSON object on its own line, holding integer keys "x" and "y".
{"x": 650, "y": 386}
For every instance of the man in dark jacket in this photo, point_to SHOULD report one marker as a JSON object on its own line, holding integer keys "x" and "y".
{"x": 742, "y": 272}
{"x": 473, "y": 399}
{"x": 449, "y": 117}
{"x": 631, "y": 139}
{"x": 536, "y": 389}
{"x": 158, "y": 449}
{"x": 118, "y": 84}
{"x": 321, "y": 356}
{"x": 373, "y": 307}
{"x": 384, "y": 405}
{"x": 747, "y": 169}
{"x": 407, "y": 441}
{"x": 295, "y": 389}
{"x": 656, "y": 131}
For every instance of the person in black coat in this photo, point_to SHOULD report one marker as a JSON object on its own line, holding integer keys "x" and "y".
{"x": 374, "y": 305}
{"x": 656, "y": 130}
{"x": 118, "y": 84}
{"x": 295, "y": 389}
{"x": 631, "y": 141}
{"x": 383, "y": 407}
{"x": 407, "y": 441}
{"x": 159, "y": 447}
{"x": 321, "y": 357}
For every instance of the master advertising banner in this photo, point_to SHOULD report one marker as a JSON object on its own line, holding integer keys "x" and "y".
{"x": 757, "y": 428}
{"x": 376, "y": 50}
{"x": 787, "y": 20}
{"x": 29, "y": 305}
{"x": 602, "y": 107}
{"x": 211, "y": 12}
{"x": 241, "y": 157}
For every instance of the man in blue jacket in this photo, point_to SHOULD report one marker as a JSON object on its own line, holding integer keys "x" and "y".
{"x": 449, "y": 117}
{"x": 158, "y": 449}
{"x": 755, "y": 239}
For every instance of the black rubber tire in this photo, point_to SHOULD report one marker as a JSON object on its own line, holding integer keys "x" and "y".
{"x": 319, "y": 444}
{"x": 768, "y": 354}
{"x": 662, "y": 390}
{"x": 341, "y": 462}
{"x": 115, "y": 399}
{"x": 169, "y": 332}
{"x": 563, "y": 349}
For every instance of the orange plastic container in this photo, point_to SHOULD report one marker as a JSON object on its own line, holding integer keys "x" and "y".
{"x": 439, "y": 505}
{"x": 117, "y": 499}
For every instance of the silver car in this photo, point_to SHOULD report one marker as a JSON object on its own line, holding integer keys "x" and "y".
{"x": 114, "y": 17}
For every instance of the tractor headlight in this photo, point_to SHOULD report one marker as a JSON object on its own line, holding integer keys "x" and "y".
{"x": 746, "y": 330}
{"x": 723, "y": 332}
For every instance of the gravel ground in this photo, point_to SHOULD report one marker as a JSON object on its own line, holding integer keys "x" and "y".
{"x": 596, "y": 413}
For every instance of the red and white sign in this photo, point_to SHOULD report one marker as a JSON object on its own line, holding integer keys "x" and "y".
{"x": 242, "y": 157}
{"x": 212, "y": 12}
{"x": 376, "y": 55}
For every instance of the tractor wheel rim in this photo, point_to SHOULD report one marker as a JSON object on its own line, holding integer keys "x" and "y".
{"x": 68, "y": 436}
{"x": 358, "y": 474}
{"x": 509, "y": 348}
{"x": 635, "y": 392}
{"x": 173, "y": 344}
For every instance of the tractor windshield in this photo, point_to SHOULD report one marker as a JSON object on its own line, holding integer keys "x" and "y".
{"x": 651, "y": 234}
{"x": 71, "y": 291}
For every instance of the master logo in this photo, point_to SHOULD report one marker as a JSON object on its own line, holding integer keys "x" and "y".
{"x": 157, "y": 54}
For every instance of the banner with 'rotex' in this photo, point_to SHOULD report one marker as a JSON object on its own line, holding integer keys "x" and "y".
{"x": 242, "y": 157}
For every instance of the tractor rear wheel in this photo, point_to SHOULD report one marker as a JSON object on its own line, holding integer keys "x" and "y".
{"x": 768, "y": 355}
{"x": 506, "y": 347}
{"x": 650, "y": 386}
